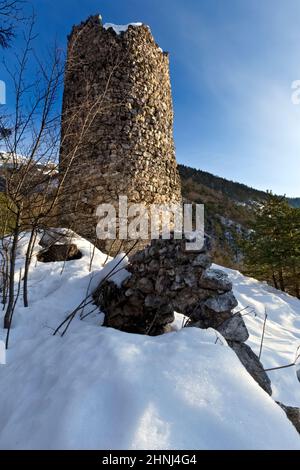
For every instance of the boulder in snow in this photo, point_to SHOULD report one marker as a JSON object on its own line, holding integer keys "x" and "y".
{"x": 216, "y": 279}
{"x": 222, "y": 303}
{"x": 293, "y": 414}
{"x": 55, "y": 253}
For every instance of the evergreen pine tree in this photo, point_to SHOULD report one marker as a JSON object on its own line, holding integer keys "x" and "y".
{"x": 272, "y": 251}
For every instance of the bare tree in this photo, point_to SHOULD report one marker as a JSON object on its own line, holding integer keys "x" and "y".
{"x": 35, "y": 191}
{"x": 10, "y": 14}
{"x": 34, "y": 134}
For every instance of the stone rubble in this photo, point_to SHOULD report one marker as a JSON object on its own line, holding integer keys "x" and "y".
{"x": 117, "y": 139}
{"x": 164, "y": 278}
{"x": 293, "y": 414}
{"x": 61, "y": 252}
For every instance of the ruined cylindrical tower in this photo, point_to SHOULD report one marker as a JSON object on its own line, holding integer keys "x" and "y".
{"x": 117, "y": 123}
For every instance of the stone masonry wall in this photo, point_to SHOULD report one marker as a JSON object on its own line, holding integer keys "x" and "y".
{"x": 117, "y": 125}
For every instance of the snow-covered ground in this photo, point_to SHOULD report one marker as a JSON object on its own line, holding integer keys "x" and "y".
{"x": 120, "y": 28}
{"x": 282, "y": 332}
{"x": 98, "y": 388}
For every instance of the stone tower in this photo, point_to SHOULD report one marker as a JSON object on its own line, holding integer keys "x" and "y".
{"x": 117, "y": 124}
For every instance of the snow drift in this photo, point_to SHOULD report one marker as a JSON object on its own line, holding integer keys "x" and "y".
{"x": 282, "y": 334}
{"x": 98, "y": 388}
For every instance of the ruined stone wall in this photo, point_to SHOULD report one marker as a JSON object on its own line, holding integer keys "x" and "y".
{"x": 166, "y": 277}
{"x": 117, "y": 126}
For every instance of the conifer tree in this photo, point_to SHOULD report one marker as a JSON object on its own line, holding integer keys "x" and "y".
{"x": 272, "y": 251}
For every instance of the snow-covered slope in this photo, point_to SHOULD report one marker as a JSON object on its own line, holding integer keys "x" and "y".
{"x": 282, "y": 332}
{"x": 103, "y": 389}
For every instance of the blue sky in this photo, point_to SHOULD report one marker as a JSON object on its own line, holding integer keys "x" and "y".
{"x": 232, "y": 66}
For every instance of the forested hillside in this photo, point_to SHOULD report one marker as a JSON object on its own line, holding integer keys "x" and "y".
{"x": 233, "y": 190}
{"x": 229, "y": 213}
{"x": 237, "y": 191}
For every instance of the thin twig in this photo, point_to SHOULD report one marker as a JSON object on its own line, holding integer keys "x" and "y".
{"x": 263, "y": 335}
{"x": 13, "y": 310}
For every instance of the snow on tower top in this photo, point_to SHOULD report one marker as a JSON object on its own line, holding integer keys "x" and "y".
{"x": 120, "y": 28}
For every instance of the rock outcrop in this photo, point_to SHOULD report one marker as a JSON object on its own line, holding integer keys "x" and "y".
{"x": 293, "y": 414}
